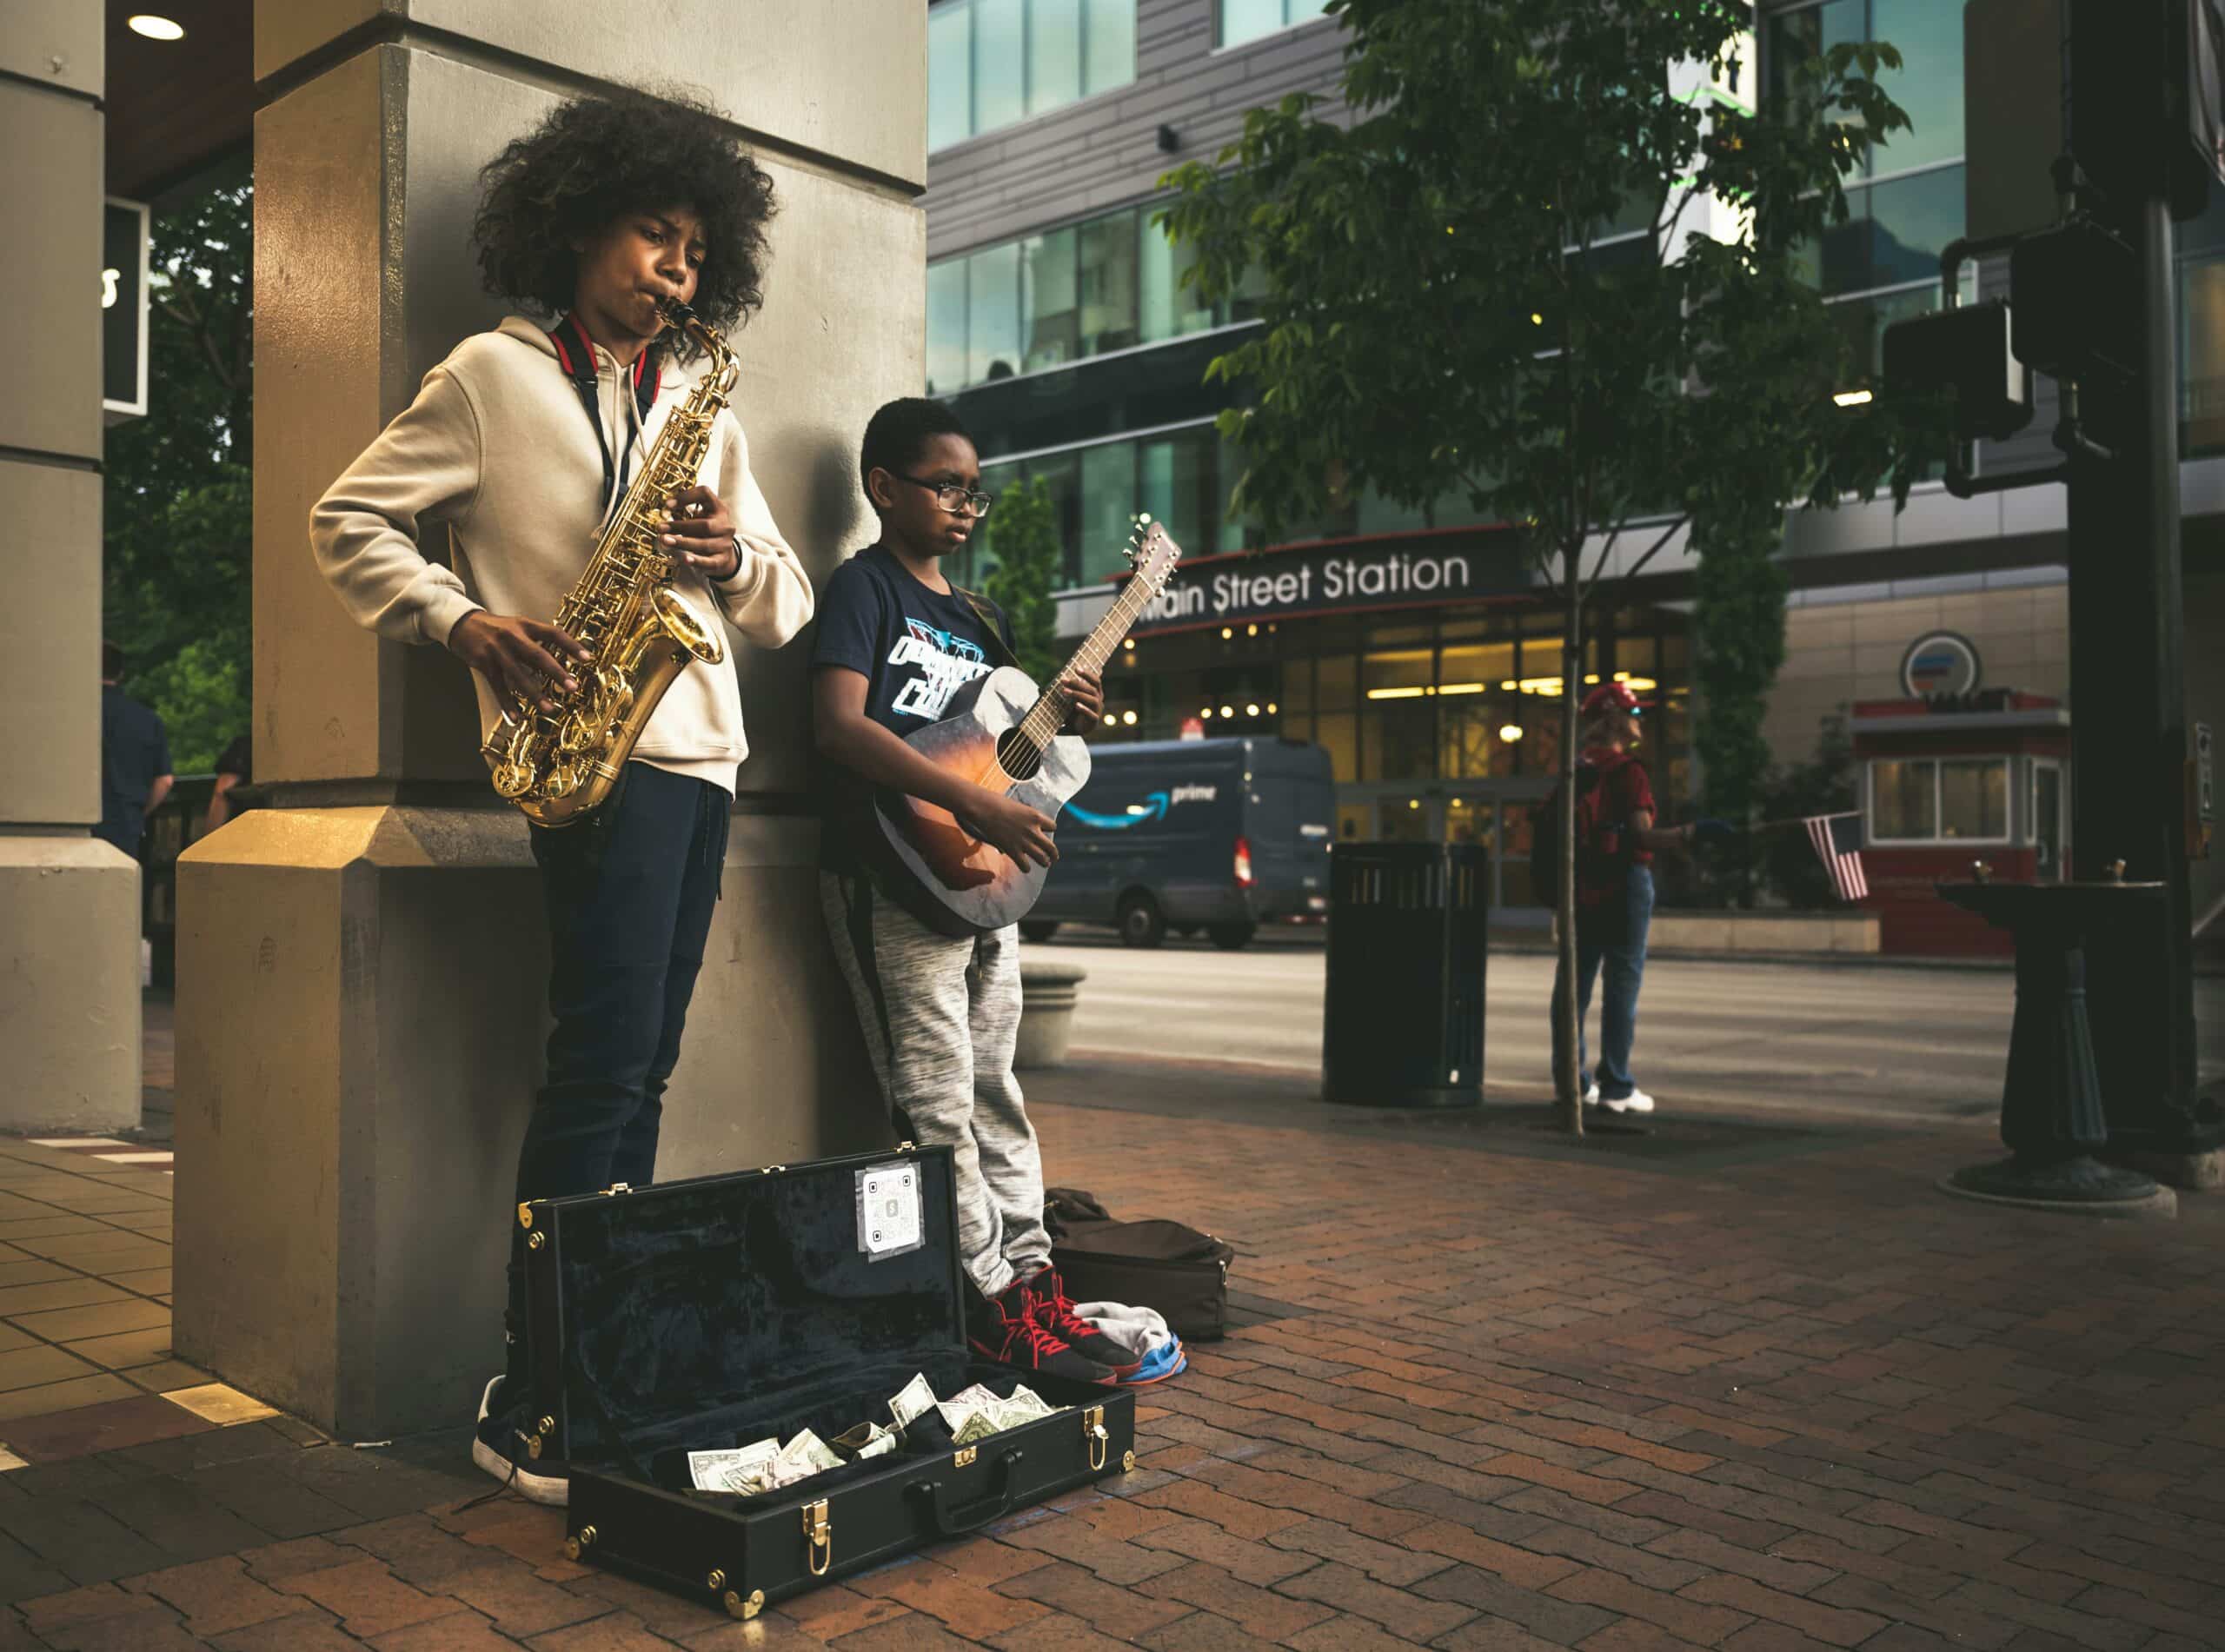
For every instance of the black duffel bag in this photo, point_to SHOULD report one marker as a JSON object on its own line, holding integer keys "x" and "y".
{"x": 1153, "y": 1264}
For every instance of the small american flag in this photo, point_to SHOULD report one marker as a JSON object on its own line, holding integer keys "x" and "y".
{"x": 1837, "y": 840}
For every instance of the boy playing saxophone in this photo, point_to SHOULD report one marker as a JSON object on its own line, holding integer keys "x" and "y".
{"x": 524, "y": 444}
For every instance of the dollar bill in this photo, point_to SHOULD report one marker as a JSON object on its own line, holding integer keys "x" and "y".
{"x": 977, "y": 1395}
{"x": 980, "y": 1423}
{"x": 802, "y": 1457}
{"x": 867, "y": 1439}
{"x": 741, "y": 1469}
{"x": 1025, "y": 1405}
{"x": 956, "y": 1416}
{"x": 916, "y": 1398}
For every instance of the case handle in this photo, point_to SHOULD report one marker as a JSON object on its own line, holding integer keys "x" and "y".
{"x": 956, "y": 1522}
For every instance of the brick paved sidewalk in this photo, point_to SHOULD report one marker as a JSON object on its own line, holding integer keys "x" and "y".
{"x": 1482, "y": 1399}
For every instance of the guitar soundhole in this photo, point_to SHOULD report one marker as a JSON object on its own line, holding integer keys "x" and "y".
{"x": 1018, "y": 757}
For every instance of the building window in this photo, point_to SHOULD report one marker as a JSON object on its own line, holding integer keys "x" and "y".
{"x": 991, "y": 62}
{"x": 1238, "y": 21}
{"x": 1906, "y": 201}
{"x": 1943, "y": 799}
{"x": 1110, "y": 283}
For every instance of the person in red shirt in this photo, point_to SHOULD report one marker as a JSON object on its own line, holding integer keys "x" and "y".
{"x": 1616, "y": 841}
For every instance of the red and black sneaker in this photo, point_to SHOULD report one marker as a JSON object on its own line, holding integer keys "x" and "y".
{"x": 1000, "y": 1329}
{"x": 1049, "y": 1306}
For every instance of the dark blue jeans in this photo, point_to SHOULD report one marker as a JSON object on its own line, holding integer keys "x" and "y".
{"x": 1611, "y": 937}
{"x": 629, "y": 895}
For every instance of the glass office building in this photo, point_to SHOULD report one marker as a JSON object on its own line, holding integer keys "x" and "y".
{"x": 1058, "y": 325}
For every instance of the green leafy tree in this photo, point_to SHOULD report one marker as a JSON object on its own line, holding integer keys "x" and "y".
{"x": 177, "y": 494}
{"x": 1438, "y": 315}
{"x": 1022, "y": 545}
{"x": 1826, "y": 784}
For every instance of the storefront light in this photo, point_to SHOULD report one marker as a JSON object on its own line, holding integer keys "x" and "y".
{"x": 1413, "y": 803}
{"x": 1251, "y": 630}
{"x": 1510, "y": 732}
{"x": 1459, "y": 688}
{"x": 1851, "y": 399}
{"x": 1129, "y": 718}
{"x": 1251, "y": 710}
{"x": 1271, "y": 708}
{"x": 1635, "y": 685}
{"x": 1226, "y": 631}
{"x": 1227, "y": 712}
{"x": 1396, "y": 694}
{"x": 1205, "y": 711}
{"x": 155, "y": 28}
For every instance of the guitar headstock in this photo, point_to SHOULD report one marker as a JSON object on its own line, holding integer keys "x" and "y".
{"x": 1151, "y": 552}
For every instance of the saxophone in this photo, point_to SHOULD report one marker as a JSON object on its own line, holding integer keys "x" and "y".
{"x": 558, "y": 766}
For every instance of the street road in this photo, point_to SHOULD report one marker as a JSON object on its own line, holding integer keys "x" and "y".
{"x": 1890, "y": 1044}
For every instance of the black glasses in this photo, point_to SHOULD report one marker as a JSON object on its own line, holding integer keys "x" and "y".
{"x": 952, "y": 496}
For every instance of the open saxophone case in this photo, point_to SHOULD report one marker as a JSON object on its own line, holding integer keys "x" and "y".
{"x": 717, "y": 1312}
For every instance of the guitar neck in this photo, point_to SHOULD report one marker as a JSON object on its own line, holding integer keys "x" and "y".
{"x": 1048, "y": 714}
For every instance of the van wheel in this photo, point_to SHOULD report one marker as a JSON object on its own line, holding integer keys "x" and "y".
{"x": 1039, "y": 929}
{"x": 1142, "y": 923}
{"x": 1233, "y": 938}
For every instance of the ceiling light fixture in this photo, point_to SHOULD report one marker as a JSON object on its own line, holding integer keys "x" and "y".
{"x": 155, "y": 28}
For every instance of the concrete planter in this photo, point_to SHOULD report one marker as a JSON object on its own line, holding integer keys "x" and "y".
{"x": 1047, "y": 995}
{"x": 1684, "y": 931}
{"x": 1733, "y": 932}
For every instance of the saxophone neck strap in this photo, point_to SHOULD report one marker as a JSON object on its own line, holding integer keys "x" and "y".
{"x": 575, "y": 354}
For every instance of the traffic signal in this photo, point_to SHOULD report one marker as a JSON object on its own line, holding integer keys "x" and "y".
{"x": 2076, "y": 290}
{"x": 1965, "y": 351}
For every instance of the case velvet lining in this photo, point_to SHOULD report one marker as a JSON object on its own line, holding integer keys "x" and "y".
{"x": 714, "y": 1313}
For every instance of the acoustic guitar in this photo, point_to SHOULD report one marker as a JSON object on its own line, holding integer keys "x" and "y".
{"x": 1002, "y": 732}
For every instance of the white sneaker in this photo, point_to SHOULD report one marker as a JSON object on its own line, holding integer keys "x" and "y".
{"x": 497, "y": 1449}
{"x": 1636, "y": 1102}
{"x": 1591, "y": 1095}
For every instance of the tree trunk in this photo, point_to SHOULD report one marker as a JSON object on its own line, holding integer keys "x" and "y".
{"x": 1567, "y": 1072}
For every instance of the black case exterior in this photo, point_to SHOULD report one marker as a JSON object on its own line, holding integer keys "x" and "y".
{"x": 703, "y": 1313}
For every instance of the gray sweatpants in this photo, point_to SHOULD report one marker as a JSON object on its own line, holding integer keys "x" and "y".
{"x": 939, "y": 1018}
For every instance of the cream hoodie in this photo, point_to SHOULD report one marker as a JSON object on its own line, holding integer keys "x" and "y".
{"x": 498, "y": 447}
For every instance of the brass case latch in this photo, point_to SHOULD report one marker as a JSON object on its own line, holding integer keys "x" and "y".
{"x": 819, "y": 1538}
{"x": 744, "y": 1607}
{"x": 1100, "y": 1441}
{"x": 964, "y": 1457}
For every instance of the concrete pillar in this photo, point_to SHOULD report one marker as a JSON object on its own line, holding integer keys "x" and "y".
{"x": 68, "y": 902}
{"x": 362, "y": 965}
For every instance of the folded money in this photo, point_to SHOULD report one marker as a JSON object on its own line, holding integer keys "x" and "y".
{"x": 741, "y": 1468}
{"x": 917, "y": 1397}
{"x": 980, "y": 1423}
{"x": 1027, "y": 1405}
{"x": 801, "y": 1458}
{"x": 867, "y": 1439}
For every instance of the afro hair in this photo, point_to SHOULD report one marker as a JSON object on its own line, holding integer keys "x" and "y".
{"x": 596, "y": 158}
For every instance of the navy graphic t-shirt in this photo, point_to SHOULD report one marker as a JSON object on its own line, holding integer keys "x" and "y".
{"x": 915, "y": 648}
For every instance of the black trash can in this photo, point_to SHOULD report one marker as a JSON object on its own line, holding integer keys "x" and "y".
{"x": 1403, "y": 1022}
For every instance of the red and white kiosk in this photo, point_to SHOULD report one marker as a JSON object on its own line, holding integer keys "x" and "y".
{"x": 1950, "y": 778}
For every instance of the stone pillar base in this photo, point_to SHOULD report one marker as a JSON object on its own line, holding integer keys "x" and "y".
{"x": 361, "y": 1014}
{"x": 68, "y": 983}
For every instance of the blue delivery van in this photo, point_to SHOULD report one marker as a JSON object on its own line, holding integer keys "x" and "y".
{"x": 1218, "y": 835}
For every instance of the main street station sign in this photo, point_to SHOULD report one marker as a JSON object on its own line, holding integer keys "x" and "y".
{"x": 1340, "y": 577}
